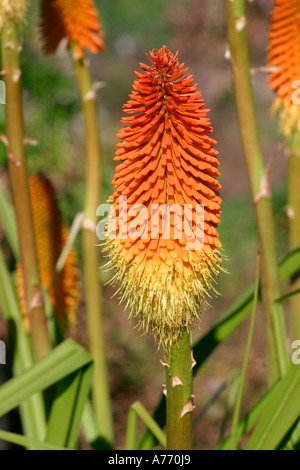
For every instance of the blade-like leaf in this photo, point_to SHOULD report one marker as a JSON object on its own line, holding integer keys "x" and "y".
{"x": 141, "y": 411}
{"x": 67, "y": 409}
{"x": 90, "y": 428}
{"x": 250, "y": 419}
{"x": 237, "y": 409}
{"x": 27, "y": 442}
{"x": 281, "y": 414}
{"x": 131, "y": 430}
{"x": 62, "y": 361}
{"x": 288, "y": 295}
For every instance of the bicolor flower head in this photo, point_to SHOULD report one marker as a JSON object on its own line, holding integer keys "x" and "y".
{"x": 12, "y": 10}
{"x": 51, "y": 233}
{"x": 284, "y": 57}
{"x": 75, "y": 20}
{"x": 162, "y": 232}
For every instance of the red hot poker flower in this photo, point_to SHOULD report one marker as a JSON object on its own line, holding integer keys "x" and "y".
{"x": 51, "y": 234}
{"x": 167, "y": 161}
{"x": 284, "y": 55}
{"x": 76, "y": 20}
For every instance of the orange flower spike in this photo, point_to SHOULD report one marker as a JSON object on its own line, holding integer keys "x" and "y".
{"x": 51, "y": 235}
{"x": 167, "y": 161}
{"x": 76, "y": 20}
{"x": 284, "y": 56}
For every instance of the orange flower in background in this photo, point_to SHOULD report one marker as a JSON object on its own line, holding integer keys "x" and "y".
{"x": 167, "y": 162}
{"x": 76, "y": 20}
{"x": 51, "y": 234}
{"x": 284, "y": 56}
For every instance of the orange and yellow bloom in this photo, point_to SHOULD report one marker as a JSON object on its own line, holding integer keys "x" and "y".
{"x": 167, "y": 159}
{"x": 51, "y": 234}
{"x": 12, "y": 10}
{"x": 284, "y": 57}
{"x": 76, "y": 20}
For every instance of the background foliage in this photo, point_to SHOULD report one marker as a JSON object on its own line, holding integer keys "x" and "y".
{"x": 53, "y": 118}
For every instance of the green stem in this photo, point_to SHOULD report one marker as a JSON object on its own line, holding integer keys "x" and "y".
{"x": 20, "y": 192}
{"x": 276, "y": 349}
{"x": 100, "y": 388}
{"x": 294, "y": 226}
{"x": 180, "y": 395}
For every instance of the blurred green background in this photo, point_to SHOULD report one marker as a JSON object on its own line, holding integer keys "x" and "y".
{"x": 52, "y": 114}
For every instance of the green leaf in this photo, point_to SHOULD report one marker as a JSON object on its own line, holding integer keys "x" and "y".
{"x": 151, "y": 424}
{"x": 288, "y": 295}
{"x": 289, "y": 265}
{"x": 280, "y": 415}
{"x": 90, "y": 427}
{"x": 65, "y": 359}
{"x": 67, "y": 409}
{"x": 131, "y": 430}
{"x": 250, "y": 419}
{"x": 237, "y": 409}
{"x": 27, "y": 442}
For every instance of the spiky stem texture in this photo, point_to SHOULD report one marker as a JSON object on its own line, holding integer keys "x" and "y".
{"x": 180, "y": 395}
{"x": 294, "y": 225}
{"x": 100, "y": 388}
{"x": 20, "y": 192}
{"x": 277, "y": 357}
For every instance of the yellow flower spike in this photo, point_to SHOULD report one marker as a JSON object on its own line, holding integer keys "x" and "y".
{"x": 51, "y": 235}
{"x": 12, "y": 10}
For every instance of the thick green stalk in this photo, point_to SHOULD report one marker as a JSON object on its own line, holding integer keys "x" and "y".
{"x": 180, "y": 395}
{"x": 294, "y": 225}
{"x": 100, "y": 388}
{"x": 276, "y": 349}
{"x": 20, "y": 192}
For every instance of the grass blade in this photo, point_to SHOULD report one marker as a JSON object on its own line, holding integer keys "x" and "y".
{"x": 141, "y": 411}
{"x": 237, "y": 409}
{"x": 250, "y": 419}
{"x": 62, "y": 361}
{"x": 67, "y": 409}
{"x": 131, "y": 430}
{"x": 281, "y": 414}
{"x": 27, "y": 442}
